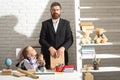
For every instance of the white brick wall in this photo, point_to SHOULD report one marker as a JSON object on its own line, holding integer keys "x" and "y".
{"x": 27, "y": 13}
{"x": 20, "y": 24}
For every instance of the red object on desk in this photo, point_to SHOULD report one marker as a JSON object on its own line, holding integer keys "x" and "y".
{"x": 59, "y": 68}
{"x": 66, "y": 68}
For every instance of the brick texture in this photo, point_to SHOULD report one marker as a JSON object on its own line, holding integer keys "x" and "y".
{"x": 20, "y": 25}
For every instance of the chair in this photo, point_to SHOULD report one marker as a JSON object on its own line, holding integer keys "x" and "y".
{"x": 19, "y": 50}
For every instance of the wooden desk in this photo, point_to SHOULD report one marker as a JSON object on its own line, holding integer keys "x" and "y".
{"x": 57, "y": 76}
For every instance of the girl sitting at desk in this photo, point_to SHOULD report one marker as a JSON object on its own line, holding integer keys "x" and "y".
{"x": 30, "y": 59}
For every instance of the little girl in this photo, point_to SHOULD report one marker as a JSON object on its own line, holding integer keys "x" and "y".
{"x": 31, "y": 59}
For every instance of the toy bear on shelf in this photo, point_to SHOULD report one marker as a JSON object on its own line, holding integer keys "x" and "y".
{"x": 86, "y": 28}
{"x": 100, "y": 36}
{"x": 86, "y": 39}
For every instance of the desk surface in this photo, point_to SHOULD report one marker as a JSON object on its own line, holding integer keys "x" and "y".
{"x": 59, "y": 76}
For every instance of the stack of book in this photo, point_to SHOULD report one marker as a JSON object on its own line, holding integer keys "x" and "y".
{"x": 6, "y": 72}
{"x": 88, "y": 52}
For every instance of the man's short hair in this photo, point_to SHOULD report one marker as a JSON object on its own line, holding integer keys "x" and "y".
{"x": 55, "y": 4}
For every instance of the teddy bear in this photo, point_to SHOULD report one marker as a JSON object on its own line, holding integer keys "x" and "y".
{"x": 41, "y": 61}
{"x": 86, "y": 39}
{"x": 100, "y": 36}
{"x": 87, "y": 28}
{"x": 40, "y": 58}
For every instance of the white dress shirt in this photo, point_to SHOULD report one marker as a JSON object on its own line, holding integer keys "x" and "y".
{"x": 55, "y": 24}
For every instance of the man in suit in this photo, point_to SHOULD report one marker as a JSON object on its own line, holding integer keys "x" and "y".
{"x": 55, "y": 36}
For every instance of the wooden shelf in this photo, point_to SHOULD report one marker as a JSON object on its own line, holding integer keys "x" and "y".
{"x": 108, "y": 43}
{"x": 104, "y": 69}
{"x": 102, "y": 56}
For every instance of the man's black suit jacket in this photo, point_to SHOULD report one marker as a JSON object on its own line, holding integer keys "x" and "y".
{"x": 62, "y": 37}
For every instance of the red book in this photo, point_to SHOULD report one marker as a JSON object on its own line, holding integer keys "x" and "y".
{"x": 69, "y": 66}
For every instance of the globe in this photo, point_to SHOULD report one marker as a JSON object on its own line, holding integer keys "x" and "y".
{"x": 8, "y": 62}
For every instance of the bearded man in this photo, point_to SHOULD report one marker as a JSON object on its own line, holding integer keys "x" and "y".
{"x": 55, "y": 36}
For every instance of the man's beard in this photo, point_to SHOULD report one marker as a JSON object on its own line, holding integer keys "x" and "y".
{"x": 55, "y": 15}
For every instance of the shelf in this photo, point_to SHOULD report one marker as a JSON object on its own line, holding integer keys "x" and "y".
{"x": 104, "y": 69}
{"x": 107, "y": 43}
{"x": 102, "y": 56}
